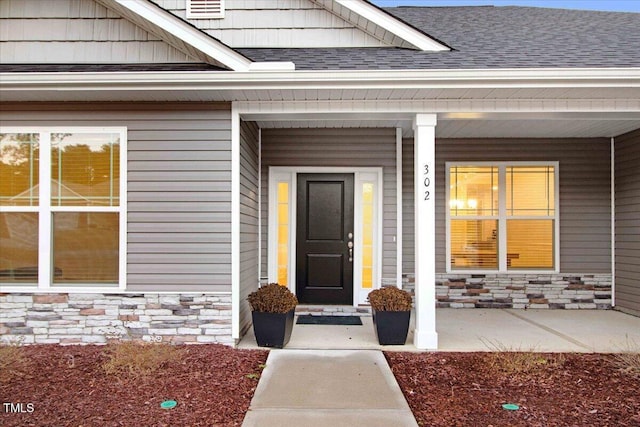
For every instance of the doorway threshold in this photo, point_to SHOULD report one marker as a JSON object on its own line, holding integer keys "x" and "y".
{"x": 333, "y": 310}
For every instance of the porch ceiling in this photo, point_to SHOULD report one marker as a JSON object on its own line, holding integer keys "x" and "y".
{"x": 460, "y": 125}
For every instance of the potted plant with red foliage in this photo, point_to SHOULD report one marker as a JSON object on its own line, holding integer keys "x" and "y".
{"x": 391, "y": 309}
{"x": 272, "y": 310}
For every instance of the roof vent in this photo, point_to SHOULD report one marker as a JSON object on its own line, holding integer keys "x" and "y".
{"x": 198, "y": 9}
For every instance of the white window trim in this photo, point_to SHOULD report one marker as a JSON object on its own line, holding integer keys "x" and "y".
{"x": 502, "y": 218}
{"x": 199, "y": 15}
{"x": 45, "y": 212}
{"x": 361, "y": 176}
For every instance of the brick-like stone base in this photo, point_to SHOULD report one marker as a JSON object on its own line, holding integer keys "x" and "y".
{"x": 554, "y": 291}
{"x": 94, "y": 318}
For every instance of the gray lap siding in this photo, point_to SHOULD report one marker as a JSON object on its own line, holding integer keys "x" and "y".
{"x": 178, "y": 190}
{"x": 627, "y": 224}
{"x": 249, "y": 218}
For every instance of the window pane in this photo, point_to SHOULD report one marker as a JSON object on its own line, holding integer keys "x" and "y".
{"x": 85, "y": 169}
{"x": 85, "y": 247}
{"x": 19, "y": 247}
{"x": 474, "y": 244}
{"x": 283, "y": 233}
{"x": 367, "y": 235}
{"x": 530, "y": 243}
{"x": 530, "y": 190}
{"x": 19, "y": 169}
{"x": 473, "y": 190}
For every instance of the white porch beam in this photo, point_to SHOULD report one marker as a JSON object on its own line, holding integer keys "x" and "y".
{"x": 425, "y": 335}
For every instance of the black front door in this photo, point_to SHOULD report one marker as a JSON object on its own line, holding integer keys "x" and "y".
{"x": 324, "y": 269}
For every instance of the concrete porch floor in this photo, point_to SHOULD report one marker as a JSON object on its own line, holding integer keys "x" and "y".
{"x": 601, "y": 331}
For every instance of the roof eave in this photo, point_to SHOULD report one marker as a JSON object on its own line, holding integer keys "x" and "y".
{"x": 272, "y": 79}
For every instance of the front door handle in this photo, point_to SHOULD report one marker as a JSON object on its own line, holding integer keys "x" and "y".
{"x": 350, "y": 246}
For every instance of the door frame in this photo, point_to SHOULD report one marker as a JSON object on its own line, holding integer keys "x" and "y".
{"x": 362, "y": 175}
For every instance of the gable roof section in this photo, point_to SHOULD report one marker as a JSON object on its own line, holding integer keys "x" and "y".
{"x": 487, "y": 37}
{"x": 78, "y": 32}
{"x": 306, "y": 24}
{"x": 178, "y": 33}
{"x": 375, "y": 20}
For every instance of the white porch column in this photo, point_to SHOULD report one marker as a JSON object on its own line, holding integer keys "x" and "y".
{"x": 424, "y": 127}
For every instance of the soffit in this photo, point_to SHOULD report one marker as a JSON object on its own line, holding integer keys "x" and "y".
{"x": 105, "y": 90}
{"x": 484, "y": 126}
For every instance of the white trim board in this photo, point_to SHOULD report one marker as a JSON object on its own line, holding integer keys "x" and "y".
{"x": 235, "y": 223}
{"x": 385, "y": 27}
{"x": 361, "y": 175}
{"x": 385, "y": 21}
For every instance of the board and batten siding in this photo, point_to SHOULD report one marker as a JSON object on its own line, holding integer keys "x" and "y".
{"x": 76, "y": 31}
{"x": 178, "y": 190}
{"x": 249, "y": 218}
{"x": 585, "y": 194}
{"x": 627, "y": 222}
{"x": 335, "y": 148}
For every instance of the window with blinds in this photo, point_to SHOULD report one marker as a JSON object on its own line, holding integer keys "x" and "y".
{"x": 198, "y": 9}
{"x": 502, "y": 216}
{"x": 69, "y": 185}
{"x": 85, "y": 178}
{"x": 19, "y": 205}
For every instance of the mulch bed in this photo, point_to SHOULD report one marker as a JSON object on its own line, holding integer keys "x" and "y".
{"x": 469, "y": 389}
{"x": 213, "y": 385}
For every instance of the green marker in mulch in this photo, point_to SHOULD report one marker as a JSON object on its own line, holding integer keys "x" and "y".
{"x": 510, "y": 407}
{"x": 168, "y": 404}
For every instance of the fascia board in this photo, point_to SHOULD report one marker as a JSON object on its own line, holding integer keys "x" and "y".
{"x": 223, "y": 80}
{"x": 393, "y": 25}
{"x": 185, "y": 32}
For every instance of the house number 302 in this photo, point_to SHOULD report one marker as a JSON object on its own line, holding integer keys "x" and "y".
{"x": 426, "y": 181}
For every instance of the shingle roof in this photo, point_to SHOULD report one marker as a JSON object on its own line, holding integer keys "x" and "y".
{"x": 489, "y": 37}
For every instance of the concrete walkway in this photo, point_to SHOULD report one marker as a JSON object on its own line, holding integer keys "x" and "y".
{"x": 337, "y": 376}
{"x": 337, "y": 388}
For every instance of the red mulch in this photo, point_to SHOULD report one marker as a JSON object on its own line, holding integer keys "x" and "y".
{"x": 68, "y": 387}
{"x": 213, "y": 386}
{"x": 461, "y": 389}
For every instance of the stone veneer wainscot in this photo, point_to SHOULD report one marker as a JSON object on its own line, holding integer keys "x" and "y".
{"x": 551, "y": 291}
{"x": 64, "y": 318}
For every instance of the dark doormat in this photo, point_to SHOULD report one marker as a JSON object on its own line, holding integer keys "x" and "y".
{"x": 307, "y": 319}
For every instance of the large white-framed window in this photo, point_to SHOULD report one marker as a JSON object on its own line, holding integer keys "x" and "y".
{"x": 367, "y": 262}
{"x": 502, "y": 216}
{"x": 63, "y": 208}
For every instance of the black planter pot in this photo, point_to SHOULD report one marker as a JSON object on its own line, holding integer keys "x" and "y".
{"x": 272, "y": 329}
{"x": 391, "y": 327}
